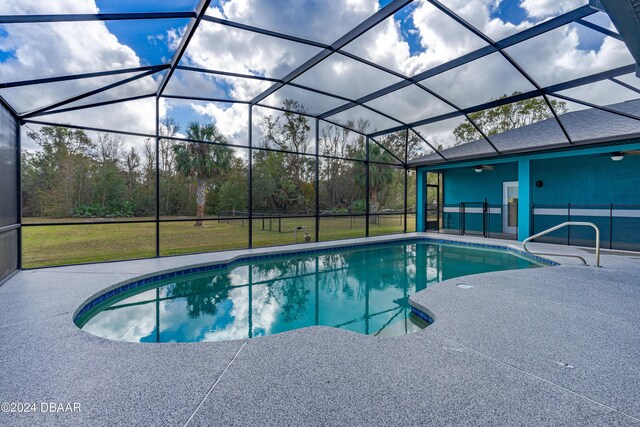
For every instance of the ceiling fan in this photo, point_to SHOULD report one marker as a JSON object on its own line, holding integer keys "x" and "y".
{"x": 481, "y": 168}
{"x": 616, "y": 156}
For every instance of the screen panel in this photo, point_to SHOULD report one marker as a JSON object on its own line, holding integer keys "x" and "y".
{"x": 619, "y": 94}
{"x": 502, "y": 19}
{"x": 182, "y": 237}
{"x": 526, "y": 124}
{"x": 9, "y": 240}
{"x": 203, "y": 180}
{"x": 187, "y": 83}
{"x": 284, "y": 130}
{"x": 312, "y": 102}
{"x": 342, "y": 142}
{"x": 585, "y": 124}
{"x": 51, "y": 49}
{"x": 342, "y": 187}
{"x": 287, "y": 17}
{"x": 360, "y": 117}
{"x": 569, "y": 52}
{"x": 72, "y": 175}
{"x": 9, "y": 169}
{"x": 341, "y": 75}
{"x": 455, "y": 138}
{"x": 283, "y": 184}
{"x": 9, "y": 251}
{"x": 480, "y": 81}
{"x": 276, "y": 231}
{"x": 28, "y": 98}
{"x": 130, "y": 116}
{"x": 416, "y": 38}
{"x": 44, "y": 246}
{"x": 245, "y": 52}
{"x": 410, "y": 104}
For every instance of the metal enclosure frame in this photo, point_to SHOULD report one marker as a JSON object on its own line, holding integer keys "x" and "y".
{"x": 199, "y": 14}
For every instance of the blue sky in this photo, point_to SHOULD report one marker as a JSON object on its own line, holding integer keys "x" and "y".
{"x": 144, "y": 36}
{"x": 510, "y": 11}
{"x": 4, "y": 55}
{"x": 147, "y": 38}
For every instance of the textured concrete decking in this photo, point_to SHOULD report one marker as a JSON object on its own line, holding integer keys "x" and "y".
{"x": 552, "y": 346}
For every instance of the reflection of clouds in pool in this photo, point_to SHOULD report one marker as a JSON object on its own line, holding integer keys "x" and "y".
{"x": 132, "y": 324}
{"x": 124, "y": 324}
{"x": 230, "y": 321}
{"x": 239, "y": 276}
{"x": 263, "y": 316}
{"x": 177, "y": 325}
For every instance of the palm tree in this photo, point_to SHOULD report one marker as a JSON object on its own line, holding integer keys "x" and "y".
{"x": 202, "y": 161}
{"x": 379, "y": 177}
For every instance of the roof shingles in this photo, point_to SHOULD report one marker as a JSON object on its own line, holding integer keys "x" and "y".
{"x": 587, "y": 126}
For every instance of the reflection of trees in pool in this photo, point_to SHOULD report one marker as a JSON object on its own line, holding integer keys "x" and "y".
{"x": 285, "y": 286}
{"x": 202, "y": 294}
{"x": 369, "y": 270}
{"x": 350, "y": 275}
{"x": 291, "y": 295}
{"x": 334, "y": 275}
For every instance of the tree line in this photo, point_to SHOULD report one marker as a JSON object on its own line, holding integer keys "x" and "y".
{"x": 73, "y": 174}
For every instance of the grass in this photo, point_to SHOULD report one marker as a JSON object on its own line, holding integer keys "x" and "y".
{"x": 72, "y": 244}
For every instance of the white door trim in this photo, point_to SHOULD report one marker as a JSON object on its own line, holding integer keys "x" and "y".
{"x": 505, "y": 208}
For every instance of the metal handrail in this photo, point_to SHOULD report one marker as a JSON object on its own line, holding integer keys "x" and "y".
{"x": 565, "y": 224}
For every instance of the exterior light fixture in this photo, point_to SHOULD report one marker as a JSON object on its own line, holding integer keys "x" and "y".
{"x": 479, "y": 169}
{"x": 616, "y": 157}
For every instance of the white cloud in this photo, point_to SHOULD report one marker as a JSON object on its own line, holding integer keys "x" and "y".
{"x": 319, "y": 20}
{"x": 81, "y": 47}
{"x": 34, "y": 7}
{"x": 64, "y": 48}
{"x": 546, "y": 8}
{"x": 232, "y": 121}
{"x": 557, "y": 56}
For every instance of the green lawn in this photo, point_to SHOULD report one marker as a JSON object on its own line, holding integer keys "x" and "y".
{"x": 72, "y": 244}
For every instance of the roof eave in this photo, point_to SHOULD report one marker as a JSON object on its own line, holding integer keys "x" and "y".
{"x": 608, "y": 140}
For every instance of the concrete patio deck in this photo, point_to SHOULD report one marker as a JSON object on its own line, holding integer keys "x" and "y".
{"x": 550, "y": 346}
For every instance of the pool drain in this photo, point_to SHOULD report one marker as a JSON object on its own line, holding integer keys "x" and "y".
{"x": 464, "y": 286}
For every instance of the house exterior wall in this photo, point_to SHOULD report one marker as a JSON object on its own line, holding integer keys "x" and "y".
{"x": 586, "y": 180}
{"x": 467, "y": 185}
{"x": 592, "y": 189}
{"x": 464, "y": 185}
{"x": 579, "y": 185}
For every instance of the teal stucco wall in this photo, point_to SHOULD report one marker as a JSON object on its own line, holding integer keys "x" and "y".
{"x": 467, "y": 185}
{"x": 587, "y": 180}
{"x": 588, "y": 183}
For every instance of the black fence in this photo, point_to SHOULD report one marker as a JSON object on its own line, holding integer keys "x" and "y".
{"x": 619, "y": 224}
{"x": 480, "y": 219}
{"x": 286, "y": 223}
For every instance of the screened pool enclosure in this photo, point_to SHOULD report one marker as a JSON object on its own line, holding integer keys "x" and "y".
{"x": 159, "y": 128}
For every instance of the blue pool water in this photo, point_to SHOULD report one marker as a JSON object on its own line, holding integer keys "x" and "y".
{"x": 363, "y": 290}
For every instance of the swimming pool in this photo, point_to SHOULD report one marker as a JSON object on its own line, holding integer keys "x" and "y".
{"x": 365, "y": 290}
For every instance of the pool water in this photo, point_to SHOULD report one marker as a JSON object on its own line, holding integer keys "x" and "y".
{"x": 364, "y": 290}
